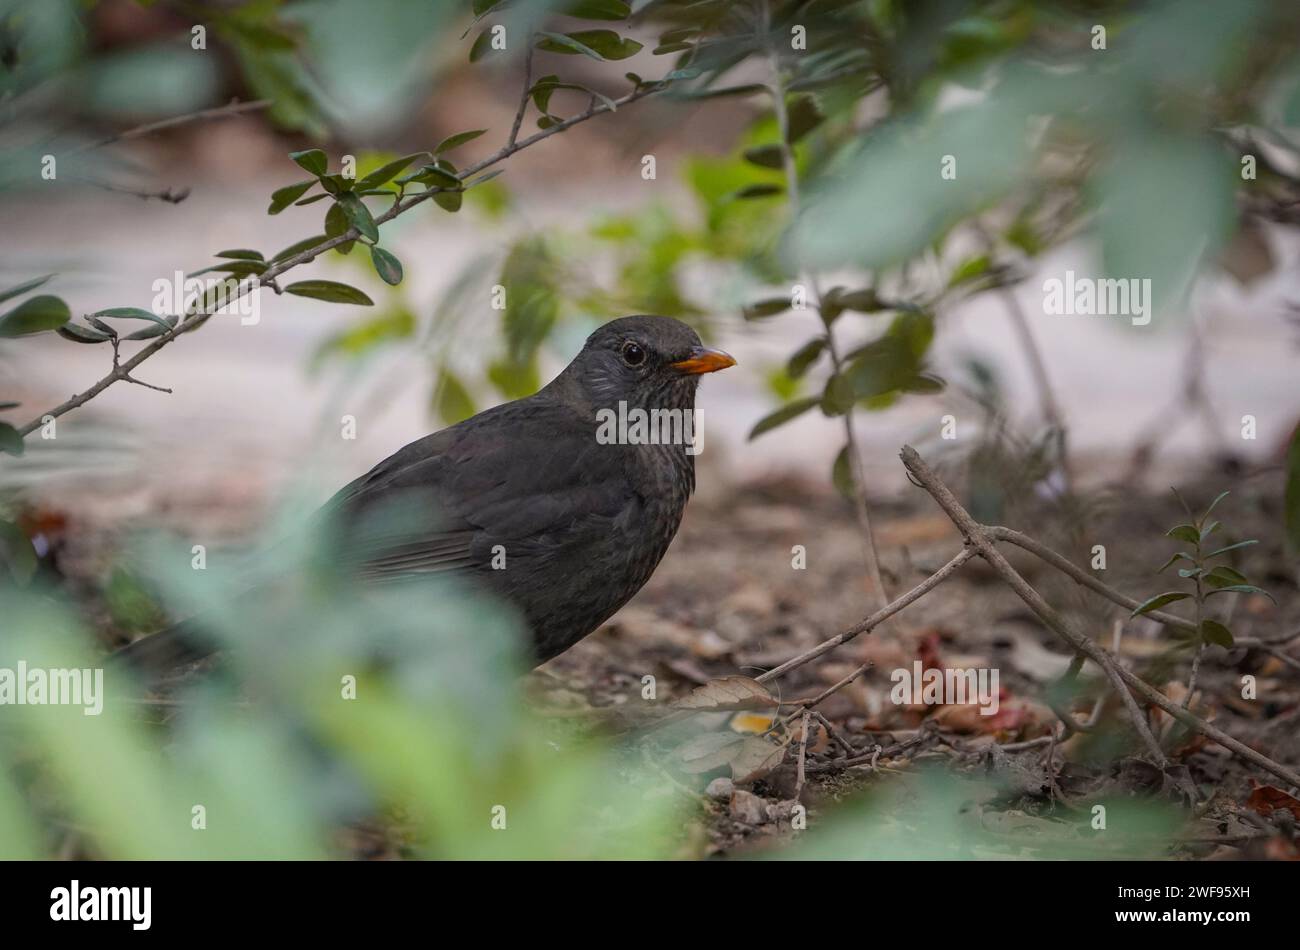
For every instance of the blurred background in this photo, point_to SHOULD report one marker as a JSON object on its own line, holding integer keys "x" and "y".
{"x": 882, "y": 273}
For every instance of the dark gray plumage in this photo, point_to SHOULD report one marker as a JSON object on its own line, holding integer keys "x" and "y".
{"x": 581, "y": 524}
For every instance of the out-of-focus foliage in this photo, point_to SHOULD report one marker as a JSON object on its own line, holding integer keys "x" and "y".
{"x": 399, "y": 705}
{"x": 933, "y": 816}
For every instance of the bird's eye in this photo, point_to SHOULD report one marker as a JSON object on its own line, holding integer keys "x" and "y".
{"x": 633, "y": 353}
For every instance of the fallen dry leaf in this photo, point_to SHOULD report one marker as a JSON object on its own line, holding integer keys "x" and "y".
{"x": 1266, "y": 799}
{"x": 708, "y": 752}
{"x": 755, "y": 759}
{"x": 728, "y": 693}
{"x": 749, "y": 757}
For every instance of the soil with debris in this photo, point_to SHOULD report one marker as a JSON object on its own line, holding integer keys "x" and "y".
{"x": 762, "y": 573}
{"x": 729, "y": 599}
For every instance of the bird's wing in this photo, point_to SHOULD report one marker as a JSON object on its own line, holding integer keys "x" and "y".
{"x": 528, "y": 475}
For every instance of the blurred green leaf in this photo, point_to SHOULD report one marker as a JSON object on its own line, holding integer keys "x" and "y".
{"x": 598, "y": 44}
{"x": 11, "y": 442}
{"x": 34, "y": 315}
{"x": 19, "y": 289}
{"x": 783, "y": 415}
{"x": 454, "y": 403}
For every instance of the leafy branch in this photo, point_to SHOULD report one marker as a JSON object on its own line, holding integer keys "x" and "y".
{"x": 1205, "y": 581}
{"x": 439, "y": 179}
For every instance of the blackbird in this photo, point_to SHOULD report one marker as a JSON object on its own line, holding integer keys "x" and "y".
{"x": 537, "y": 500}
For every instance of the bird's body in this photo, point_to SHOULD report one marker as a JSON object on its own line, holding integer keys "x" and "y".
{"x": 526, "y": 501}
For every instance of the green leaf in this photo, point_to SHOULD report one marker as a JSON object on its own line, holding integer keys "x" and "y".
{"x": 238, "y": 268}
{"x": 1214, "y": 632}
{"x": 80, "y": 334}
{"x": 598, "y": 44}
{"x": 454, "y": 403}
{"x": 482, "y": 46}
{"x": 11, "y": 442}
{"x": 1231, "y": 547}
{"x": 312, "y": 200}
{"x": 837, "y": 398}
{"x": 150, "y": 332}
{"x": 805, "y": 114}
{"x": 1223, "y": 575}
{"x": 293, "y": 250}
{"x": 312, "y": 160}
{"x": 1165, "y": 202}
{"x": 281, "y": 198}
{"x": 767, "y": 308}
{"x": 544, "y": 87}
{"x": 16, "y": 548}
{"x": 1189, "y": 572}
{"x": 1222, "y": 495}
{"x": 34, "y": 316}
{"x": 358, "y": 216}
{"x": 1291, "y": 495}
{"x": 385, "y": 173}
{"x": 457, "y": 140}
{"x": 434, "y": 176}
{"x": 336, "y": 184}
{"x": 1159, "y": 600}
{"x": 969, "y": 270}
{"x": 805, "y": 357}
{"x": 336, "y": 221}
{"x": 791, "y": 410}
{"x": 863, "y": 301}
{"x": 1180, "y": 556}
{"x": 1241, "y": 589}
{"x": 330, "y": 291}
{"x": 758, "y": 191}
{"x": 1184, "y": 532}
{"x": 133, "y": 313}
{"x": 241, "y": 254}
{"x": 18, "y": 289}
{"x": 449, "y": 200}
{"x": 387, "y": 266}
{"x": 842, "y": 474}
{"x": 765, "y": 156}
{"x": 599, "y": 10}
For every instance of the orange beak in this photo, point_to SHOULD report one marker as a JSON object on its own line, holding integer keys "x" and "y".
{"x": 703, "y": 360}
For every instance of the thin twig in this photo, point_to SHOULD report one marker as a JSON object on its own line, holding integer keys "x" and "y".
{"x": 1118, "y": 674}
{"x": 233, "y": 107}
{"x": 523, "y": 99}
{"x": 803, "y": 755}
{"x": 860, "y": 508}
{"x": 1066, "y": 566}
{"x": 877, "y": 618}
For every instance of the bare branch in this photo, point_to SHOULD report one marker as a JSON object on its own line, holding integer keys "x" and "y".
{"x": 233, "y": 107}
{"x": 523, "y": 98}
{"x": 1118, "y": 674}
{"x": 877, "y": 618}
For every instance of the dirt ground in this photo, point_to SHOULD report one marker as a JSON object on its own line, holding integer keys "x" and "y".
{"x": 727, "y": 600}
{"x": 731, "y": 599}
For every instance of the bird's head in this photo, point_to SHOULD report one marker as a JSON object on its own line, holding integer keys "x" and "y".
{"x": 648, "y": 362}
